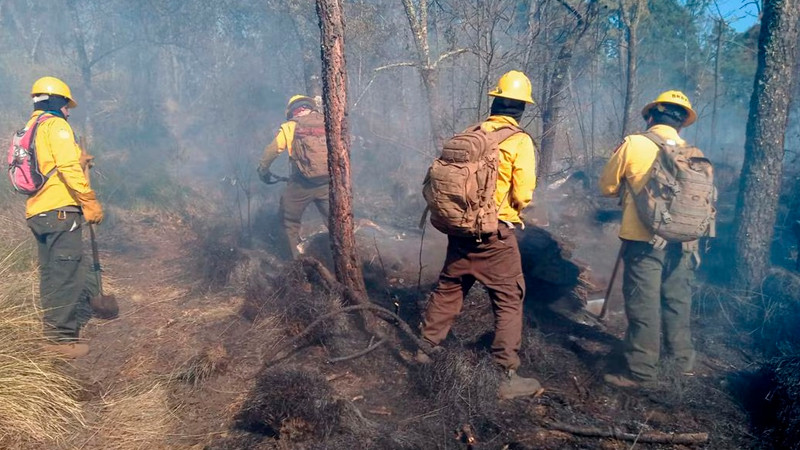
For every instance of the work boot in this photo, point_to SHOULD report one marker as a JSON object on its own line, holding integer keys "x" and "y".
{"x": 622, "y": 381}
{"x": 68, "y": 350}
{"x": 514, "y": 386}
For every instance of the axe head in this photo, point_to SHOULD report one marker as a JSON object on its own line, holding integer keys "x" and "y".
{"x": 104, "y": 306}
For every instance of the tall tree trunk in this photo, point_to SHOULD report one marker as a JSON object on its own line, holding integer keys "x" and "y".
{"x": 428, "y": 70}
{"x": 307, "y": 38}
{"x": 630, "y": 19}
{"x": 334, "y": 99}
{"x": 717, "y": 56}
{"x": 85, "y": 67}
{"x": 764, "y": 143}
{"x": 557, "y": 90}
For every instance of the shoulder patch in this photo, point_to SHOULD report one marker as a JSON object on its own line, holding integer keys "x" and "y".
{"x": 63, "y": 134}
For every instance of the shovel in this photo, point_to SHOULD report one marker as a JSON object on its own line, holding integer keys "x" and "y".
{"x": 606, "y": 300}
{"x": 104, "y": 306}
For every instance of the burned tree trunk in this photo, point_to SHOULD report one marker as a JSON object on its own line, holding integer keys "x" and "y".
{"x": 764, "y": 144}
{"x": 334, "y": 98}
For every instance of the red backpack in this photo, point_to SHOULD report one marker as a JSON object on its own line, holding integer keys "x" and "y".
{"x": 23, "y": 168}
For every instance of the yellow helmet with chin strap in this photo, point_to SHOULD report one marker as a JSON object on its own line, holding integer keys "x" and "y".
{"x": 297, "y": 101}
{"x": 53, "y": 86}
{"x": 514, "y": 85}
{"x": 674, "y": 98}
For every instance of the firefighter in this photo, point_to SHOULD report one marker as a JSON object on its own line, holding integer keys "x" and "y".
{"x": 56, "y": 214}
{"x": 658, "y": 276}
{"x": 302, "y": 136}
{"x": 494, "y": 259}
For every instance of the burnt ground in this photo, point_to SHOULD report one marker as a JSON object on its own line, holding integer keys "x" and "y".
{"x": 184, "y": 365}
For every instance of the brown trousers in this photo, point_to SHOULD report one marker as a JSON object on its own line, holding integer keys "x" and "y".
{"x": 495, "y": 262}
{"x": 298, "y": 195}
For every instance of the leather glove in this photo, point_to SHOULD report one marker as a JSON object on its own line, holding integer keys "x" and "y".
{"x": 92, "y": 211}
{"x": 86, "y": 160}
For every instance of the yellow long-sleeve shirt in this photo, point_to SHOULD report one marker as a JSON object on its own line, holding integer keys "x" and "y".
{"x": 630, "y": 164}
{"x": 516, "y": 175}
{"x": 56, "y": 148}
{"x": 282, "y": 142}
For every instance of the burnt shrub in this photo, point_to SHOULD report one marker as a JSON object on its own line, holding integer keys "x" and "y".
{"x": 462, "y": 385}
{"x": 291, "y": 404}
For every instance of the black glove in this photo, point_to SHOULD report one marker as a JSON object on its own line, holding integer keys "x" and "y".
{"x": 265, "y": 176}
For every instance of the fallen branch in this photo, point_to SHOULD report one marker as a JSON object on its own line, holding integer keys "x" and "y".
{"x": 396, "y": 320}
{"x": 357, "y": 354}
{"x": 652, "y": 437}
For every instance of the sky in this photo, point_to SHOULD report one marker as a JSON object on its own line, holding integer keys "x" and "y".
{"x": 740, "y": 14}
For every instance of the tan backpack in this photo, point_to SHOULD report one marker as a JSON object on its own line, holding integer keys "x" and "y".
{"x": 309, "y": 147}
{"x": 677, "y": 202}
{"x": 460, "y": 185}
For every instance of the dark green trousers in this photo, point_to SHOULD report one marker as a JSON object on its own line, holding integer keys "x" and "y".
{"x": 294, "y": 201}
{"x": 62, "y": 272}
{"x": 657, "y": 286}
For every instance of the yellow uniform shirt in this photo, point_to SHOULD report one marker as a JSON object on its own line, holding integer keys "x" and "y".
{"x": 282, "y": 141}
{"x": 516, "y": 175}
{"x": 56, "y": 147}
{"x": 630, "y": 164}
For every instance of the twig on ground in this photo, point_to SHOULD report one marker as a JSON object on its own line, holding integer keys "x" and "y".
{"x": 652, "y": 437}
{"x": 357, "y": 354}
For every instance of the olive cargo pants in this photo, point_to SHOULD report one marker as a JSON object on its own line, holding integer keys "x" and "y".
{"x": 298, "y": 195}
{"x": 495, "y": 262}
{"x": 62, "y": 271}
{"x": 657, "y": 286}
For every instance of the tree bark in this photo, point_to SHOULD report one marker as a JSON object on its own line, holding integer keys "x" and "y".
{"x": 334, "y": 99}
{"x": 764, "y": 142}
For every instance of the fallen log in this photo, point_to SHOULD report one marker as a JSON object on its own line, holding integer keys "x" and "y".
{"x": 650, "y": 437}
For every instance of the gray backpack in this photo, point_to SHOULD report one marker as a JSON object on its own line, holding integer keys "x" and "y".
{"x": 677, "y": 202}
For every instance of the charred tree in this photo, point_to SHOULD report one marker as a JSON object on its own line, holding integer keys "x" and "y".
{"x": 334, "y": 100}
{"x": 557, "y": 88}
{"x": 762, "y": 169}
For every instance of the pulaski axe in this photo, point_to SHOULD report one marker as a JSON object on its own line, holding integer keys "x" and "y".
{"x": 104, "y": 306}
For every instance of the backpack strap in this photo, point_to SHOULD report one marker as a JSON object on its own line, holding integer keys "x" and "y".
{"x": 41, "y": 118}
{"x": 501, "y": 134}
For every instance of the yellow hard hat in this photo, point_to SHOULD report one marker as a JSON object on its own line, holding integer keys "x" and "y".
{"x": 53, "y": 86}
{"x": 674, "y": 98}
{"x": 514, "y": 85}
{"x": 295, "y": 101}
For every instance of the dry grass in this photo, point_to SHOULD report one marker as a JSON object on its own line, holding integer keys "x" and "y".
{"x": 37, "y": 401}
{"x": 136, "y": 417}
